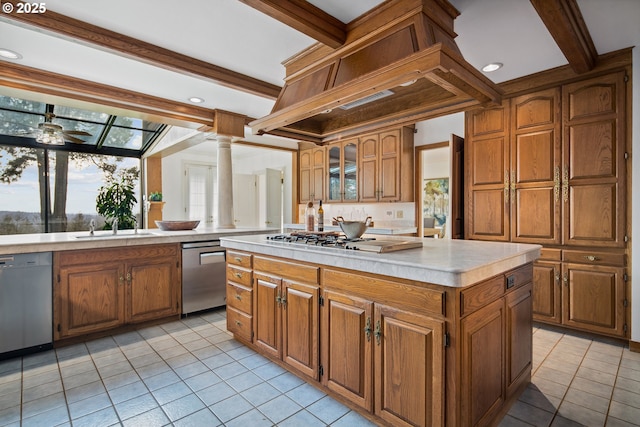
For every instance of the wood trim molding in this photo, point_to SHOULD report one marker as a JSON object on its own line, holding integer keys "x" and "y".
{"x": 142, "y": 51}
{"x": 564, "y": 21}
{"x": 634, "y": 346}
{"x": 34, "y": 80}
{"x": 304, "y": 17}
{"x": 560, "y": 75}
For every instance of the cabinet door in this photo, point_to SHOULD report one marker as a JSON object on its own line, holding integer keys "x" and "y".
{"x": 409, "y": 368}
{"x": 482, "y": 385}
{"x": 305, "y": 189}
{"x": 487, "y": 174}
{"x": 389, "y": 166}
{"x": 369, "y": 157}
{"x": 547, "y": 304}
{"x": 300, "y": 327}
{"x": 347, "y": 337}
{"x": 593, "y": 298}
{"x": 318, "y": 175}
{"x": 519, "y": 337}
{"x": 266, "y": 314}
{"x": 334, "y": 191}
{"x": 89, "y": 298}
{"x": 152, "y": 288}
{"x": 535, "y": 168}
{"x": 594, "y": 173}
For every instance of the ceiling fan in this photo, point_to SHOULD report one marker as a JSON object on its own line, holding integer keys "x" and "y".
{"x": 54, "y": 134}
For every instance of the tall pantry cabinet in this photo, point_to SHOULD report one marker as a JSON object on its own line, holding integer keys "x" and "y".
{"x": 549, "y": 167}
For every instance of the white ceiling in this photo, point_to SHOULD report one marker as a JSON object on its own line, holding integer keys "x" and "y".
{"x": 231, "y": 34}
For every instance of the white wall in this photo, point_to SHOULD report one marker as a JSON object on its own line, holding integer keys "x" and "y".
{"x": 439, "y": 129}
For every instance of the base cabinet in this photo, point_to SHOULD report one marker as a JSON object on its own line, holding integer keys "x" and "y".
{"x": 407, "y": 353}
{"x": 285, "y": 317}
{"x": 97, "y": 290}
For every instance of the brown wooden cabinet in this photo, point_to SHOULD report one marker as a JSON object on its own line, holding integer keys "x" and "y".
{"x": 240, "y": 295}
{"x": 312, "y": 174}
{"x": 548, "y": 167}
{"x": 285, "y": 316}
{"x": 386, "y": 166}
{"x": 496, "y": 344}
{"x": 390, "y": 345}
{"x": 96, "y": 290}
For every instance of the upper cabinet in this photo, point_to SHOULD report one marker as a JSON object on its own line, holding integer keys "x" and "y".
{"x": 343, "y": 171}
{"x": 376, "y": 167}
{"x": 312, "y": 174}
{"x": 548, "y": 167}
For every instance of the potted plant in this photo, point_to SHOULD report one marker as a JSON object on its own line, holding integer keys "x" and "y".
{"x": 155, "y": 196}
{"x": 115, "y": 201}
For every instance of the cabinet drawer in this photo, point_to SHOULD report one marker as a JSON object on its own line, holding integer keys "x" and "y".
{"x": 518, "y": 277}
{"x": 481, "y": 294}
{"x": 594, "y": 257}
{"x": 239, "y": 323}
{"x": 299, "y": 272}
{"x": 239, "y": 297}
{"x": 239, "y": 258}
{"x": 239, "y": 275}
{"x": 551, "y": 254}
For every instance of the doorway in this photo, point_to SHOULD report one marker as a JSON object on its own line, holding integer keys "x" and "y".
{"x": 440, "y": 181}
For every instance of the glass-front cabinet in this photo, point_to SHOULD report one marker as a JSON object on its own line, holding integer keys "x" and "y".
{"x": 343, "y": 171}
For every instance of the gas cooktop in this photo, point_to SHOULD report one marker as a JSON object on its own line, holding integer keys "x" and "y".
{"x": 332, "y": 239}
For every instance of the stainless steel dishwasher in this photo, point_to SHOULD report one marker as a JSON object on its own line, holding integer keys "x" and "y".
{"x": 203, "y": 276}
{"x": 26, "y": 308}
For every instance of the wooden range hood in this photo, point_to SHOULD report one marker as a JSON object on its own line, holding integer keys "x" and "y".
{"x": 400, "y": 57}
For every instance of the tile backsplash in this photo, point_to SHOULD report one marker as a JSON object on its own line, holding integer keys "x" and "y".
{"x": 383, "y": 214}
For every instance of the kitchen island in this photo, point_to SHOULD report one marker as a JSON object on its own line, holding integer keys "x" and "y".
{"x": 432, "y": 336}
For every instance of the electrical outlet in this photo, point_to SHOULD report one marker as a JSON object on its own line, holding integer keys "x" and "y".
{"x": 399, "y": 214}
{"x": 389, "y": 213}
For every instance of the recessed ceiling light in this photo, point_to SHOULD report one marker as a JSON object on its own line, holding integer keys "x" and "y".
{"x": 196, "y": 100}
{"x": 409, "y": 83}
{"x": 492, "y": 67}
{"x": 9, "y": 54}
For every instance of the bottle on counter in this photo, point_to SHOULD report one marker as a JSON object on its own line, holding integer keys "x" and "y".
{"x": 320, "y": 217}
{"x": 310, "y": 217}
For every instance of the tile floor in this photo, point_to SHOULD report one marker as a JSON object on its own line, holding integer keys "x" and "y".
{"x": 192, "y": 373}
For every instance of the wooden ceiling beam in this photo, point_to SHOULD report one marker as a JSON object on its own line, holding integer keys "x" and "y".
{"x": 564, "y": 21}
{"x": 158, "y": 109}
{"x": 142, "y": 51}
{"x": 304, "y": 17}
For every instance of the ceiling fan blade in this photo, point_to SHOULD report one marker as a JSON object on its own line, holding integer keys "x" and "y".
{"x": 72, "y": 139}
{"x": 77, "y": 132}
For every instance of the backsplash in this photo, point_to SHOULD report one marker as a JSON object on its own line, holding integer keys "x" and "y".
{"x": 382, "y": 214}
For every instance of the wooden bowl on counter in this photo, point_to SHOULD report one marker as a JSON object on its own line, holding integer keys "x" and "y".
{"x": 177, "y": 225}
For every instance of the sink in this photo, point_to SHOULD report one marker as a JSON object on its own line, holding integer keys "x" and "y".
{"x": 127, "y": 233}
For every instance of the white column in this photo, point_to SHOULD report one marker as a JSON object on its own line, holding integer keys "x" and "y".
{"x": 224, "y": 207}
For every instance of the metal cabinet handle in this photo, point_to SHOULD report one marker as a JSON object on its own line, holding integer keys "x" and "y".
{"x": 506, "y": 186}
{"x": 278, "y": 298}
{"x": 591, "y": 258}
{"x": 238, "y": 275}
{"x": 378, "y": 332}
{"x": 565, "y": 279}
{"x": 238, "y": 297}
{"x": 565, "y": 184}
{"x": 367, "y": 329}
{"x": 557, "y": 277}
{"x": 129, "y": 277}
{"x": 556, "y": 184}
{"x": 121, "y": 278}
{"x": 238, "y": 323}
{"x": 238, "y": 259}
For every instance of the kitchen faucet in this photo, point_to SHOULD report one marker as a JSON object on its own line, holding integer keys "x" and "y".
{"x": 92, "y": 227}
{"x": 114, "y": 226}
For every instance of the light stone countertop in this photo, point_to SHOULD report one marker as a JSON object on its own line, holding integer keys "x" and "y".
{"x": 370, "y": 230}
{"x": 447, "y": 262}
{"x": 46, "y": 242}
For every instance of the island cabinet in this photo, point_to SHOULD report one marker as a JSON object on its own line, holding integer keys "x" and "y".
{"x": 285, "y": 317}
{"x": 404, "y": 353}
{"x": 96, "y": 290}
{"x": 550, "y": 167}
{"x": 240, "y": 294}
